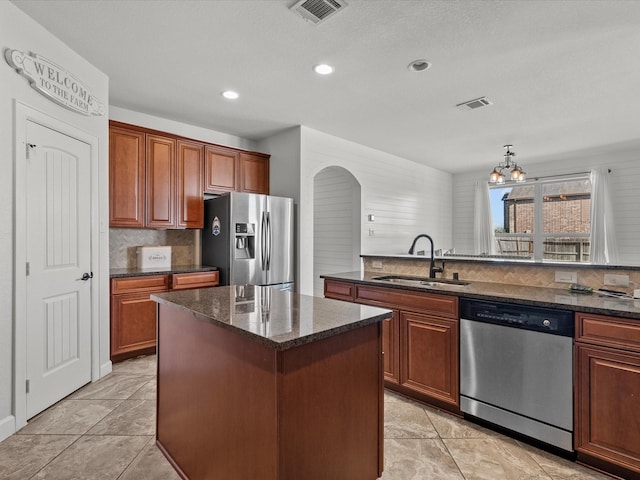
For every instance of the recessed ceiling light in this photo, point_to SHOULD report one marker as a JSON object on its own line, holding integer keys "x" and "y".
{"x": 230, "y": 94}
{"x": 419, "y": 65}
{"x": 323, "y": 69}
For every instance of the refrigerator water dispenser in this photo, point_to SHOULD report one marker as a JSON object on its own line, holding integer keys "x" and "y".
{"x": 245, "y": 241}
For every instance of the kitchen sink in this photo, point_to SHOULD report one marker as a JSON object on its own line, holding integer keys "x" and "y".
{"x": 420, "y": 281}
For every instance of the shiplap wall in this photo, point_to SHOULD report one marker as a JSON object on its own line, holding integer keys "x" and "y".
{"x": 405, "y": 197}
{"x": 622, "y": 159}
{"x": 336, "y": 224}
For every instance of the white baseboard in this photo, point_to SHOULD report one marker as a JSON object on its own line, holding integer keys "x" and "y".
{"x": 7, "y": 427}
{"x": 106, "y": 368}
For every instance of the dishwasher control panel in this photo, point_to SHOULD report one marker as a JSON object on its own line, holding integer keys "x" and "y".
{"x": 528, "y": 317}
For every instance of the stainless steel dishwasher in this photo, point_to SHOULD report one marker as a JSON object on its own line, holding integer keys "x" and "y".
{"x": 516, "y": 368}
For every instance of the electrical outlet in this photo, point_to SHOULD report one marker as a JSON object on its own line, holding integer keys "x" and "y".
{"x": 616, "y": 280}
{"x": 371, "y": 232}
{"x": 567, "y": 277}
{"x": 376, "y": 264}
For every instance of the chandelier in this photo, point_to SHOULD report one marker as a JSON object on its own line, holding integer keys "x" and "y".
{"x": 516, "y": 174}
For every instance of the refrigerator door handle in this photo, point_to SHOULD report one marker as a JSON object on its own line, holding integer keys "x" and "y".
{"x": 263, "y": 241}
{"x": 269, "y": 240}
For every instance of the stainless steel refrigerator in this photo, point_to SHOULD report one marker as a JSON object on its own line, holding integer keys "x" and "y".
{"x": 249, "y": 238}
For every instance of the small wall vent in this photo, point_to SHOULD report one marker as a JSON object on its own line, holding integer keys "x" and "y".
{"x": 475, "y": 103}
{"x": 317, "y": 11}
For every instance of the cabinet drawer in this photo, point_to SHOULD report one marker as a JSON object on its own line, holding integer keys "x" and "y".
{"x": 608, "y": 331}
{"x": 147, "y": 283}
{"x": 181, "y": 281}
{"x": 442, "y": 305}
{"x": 339, "y": 290}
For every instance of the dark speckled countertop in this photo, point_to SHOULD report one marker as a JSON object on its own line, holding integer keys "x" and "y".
{"x": 275, "y": 318}
{"x": 547, "y": 297}
{"x": 136, "y": 272}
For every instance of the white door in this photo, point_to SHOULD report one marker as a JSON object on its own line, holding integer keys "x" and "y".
{"x": 58, "y": 207}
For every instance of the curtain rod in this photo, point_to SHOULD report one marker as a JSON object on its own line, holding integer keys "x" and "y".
{"x": 575, "y": 174}
{"x": 535, "y": 179}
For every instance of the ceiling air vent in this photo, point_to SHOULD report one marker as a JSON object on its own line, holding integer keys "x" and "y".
{"x": 475, "y": 103}
{"x": 317, "y": 11}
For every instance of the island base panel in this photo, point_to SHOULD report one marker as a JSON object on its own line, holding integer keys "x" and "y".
{"x": 216, "y": 400}
{"x": 229, "y": 407}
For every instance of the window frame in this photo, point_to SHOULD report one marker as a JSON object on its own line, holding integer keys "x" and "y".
{"x": 538, "y": 236}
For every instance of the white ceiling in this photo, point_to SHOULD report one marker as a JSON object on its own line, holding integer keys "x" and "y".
{"x": 563, "y": 75}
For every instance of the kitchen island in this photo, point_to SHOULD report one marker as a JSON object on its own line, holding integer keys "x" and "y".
{"x": 254, "y": 382}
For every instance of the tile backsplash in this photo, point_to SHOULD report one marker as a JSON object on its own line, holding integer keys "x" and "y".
{"x": 124, "y": 241}
{"x": 514, "y": 274}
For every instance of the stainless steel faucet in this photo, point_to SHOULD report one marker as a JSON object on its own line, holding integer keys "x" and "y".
{"x": 432, "y": 266}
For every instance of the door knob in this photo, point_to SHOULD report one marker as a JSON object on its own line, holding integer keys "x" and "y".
{"x": 86, "y": 276}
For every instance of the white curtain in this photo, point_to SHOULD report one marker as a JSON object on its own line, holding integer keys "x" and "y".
{"x": 603, "y": 242}
{"x": 483, "y": 234}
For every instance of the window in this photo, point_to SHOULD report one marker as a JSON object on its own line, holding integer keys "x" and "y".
{"x": 545, "y": 220}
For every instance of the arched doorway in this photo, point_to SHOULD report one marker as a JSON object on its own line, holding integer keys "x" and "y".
{"x": 336, "y": 224}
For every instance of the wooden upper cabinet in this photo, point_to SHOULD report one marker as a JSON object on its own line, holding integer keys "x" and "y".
{"x": 221, "y": 169}
{"x": 254, "y": 173}
{"x": 160, "y": 176}
{"x": 126, "y": 177}
{"x": 190, "y": 181}
{"x": 158, "y": 180}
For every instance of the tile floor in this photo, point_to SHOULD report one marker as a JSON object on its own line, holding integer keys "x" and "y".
{"x": 106, "y": 431}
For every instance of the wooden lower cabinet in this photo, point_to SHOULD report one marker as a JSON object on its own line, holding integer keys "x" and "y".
{"x": 133, "y": 313}
{"x": 133, "y": 324}
{"x": 430, "y": 356}
{"x": 390, "y": 345}
{"x": 420, "y": 341}
{"x": 607, "y": 394}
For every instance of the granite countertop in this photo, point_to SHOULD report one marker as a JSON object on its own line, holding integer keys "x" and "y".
{"x": 136, "y": 272}
{"x": 275, "y": 318}
{"x": 546, "y": 297}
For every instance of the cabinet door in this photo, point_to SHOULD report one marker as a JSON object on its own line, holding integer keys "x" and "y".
{"x": 608, "y": 405}
{"x": 390, "y": 346}
{"x": 133, "y": 323}
{"x": 160, "y": 192}
{"x": 221, "y": 169}
{"x": 126, "y": 178}
{"x": 254, "y": 173}
{"x": 190, "y": 193}
{"x": 429, "y": 362}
